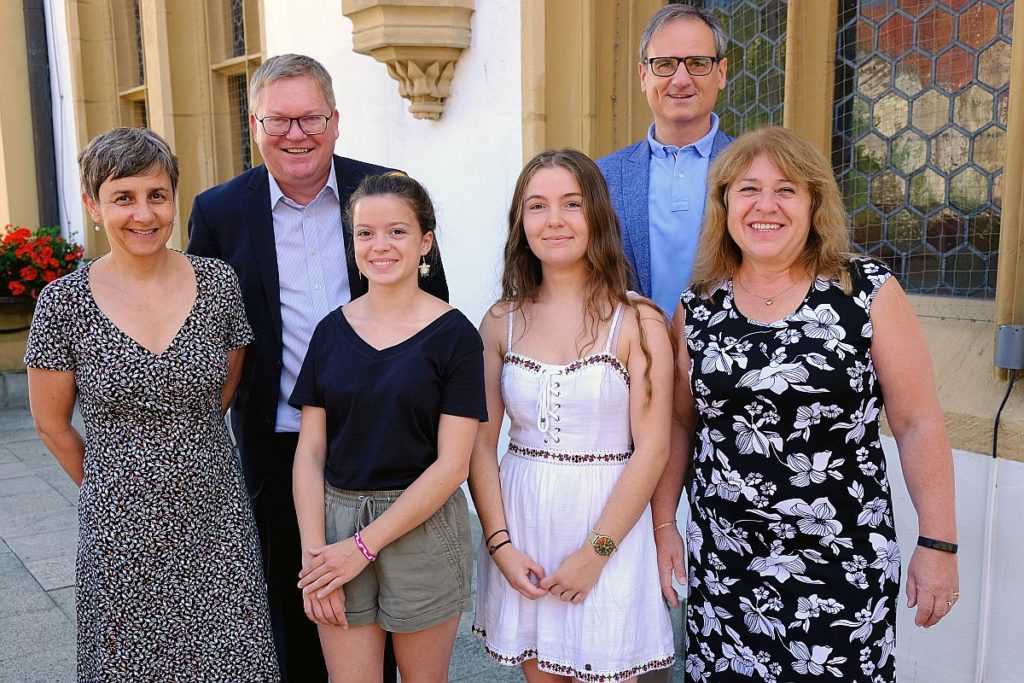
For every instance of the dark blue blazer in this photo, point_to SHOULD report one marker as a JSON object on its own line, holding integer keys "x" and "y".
{"x": 627, "y": 172}
{"x": 233, "y": 222}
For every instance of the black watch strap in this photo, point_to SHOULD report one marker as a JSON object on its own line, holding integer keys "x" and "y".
{"x": 944, "y": 546}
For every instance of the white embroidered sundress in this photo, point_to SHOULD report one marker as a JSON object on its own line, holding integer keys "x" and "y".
{"x": 569, "y": 442}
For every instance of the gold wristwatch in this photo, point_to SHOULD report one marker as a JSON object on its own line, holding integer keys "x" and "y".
{"x": 603, "y": 545}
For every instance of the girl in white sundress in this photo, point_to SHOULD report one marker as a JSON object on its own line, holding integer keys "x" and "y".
{"x": 569, "y": 585}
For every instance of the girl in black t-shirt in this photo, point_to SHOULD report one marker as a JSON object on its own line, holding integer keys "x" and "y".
{"x": 391, "y": 392}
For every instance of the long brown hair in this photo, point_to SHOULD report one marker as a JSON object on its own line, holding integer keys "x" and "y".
{"x": 608, "y": 272}
{"x": 827, "y": 251}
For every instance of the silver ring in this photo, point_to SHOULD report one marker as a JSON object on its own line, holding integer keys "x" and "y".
{"x": 949, "y": 603}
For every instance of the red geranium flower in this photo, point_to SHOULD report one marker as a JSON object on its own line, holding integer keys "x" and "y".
{"x": 29, "y": 259}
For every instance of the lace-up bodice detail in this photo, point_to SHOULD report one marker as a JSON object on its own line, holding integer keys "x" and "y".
{"x": 570, "y": 413}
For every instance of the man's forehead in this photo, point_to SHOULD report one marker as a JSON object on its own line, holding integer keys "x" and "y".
{"x": 686, "y": 33}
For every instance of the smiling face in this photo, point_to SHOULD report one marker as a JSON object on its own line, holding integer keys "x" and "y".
{"x": 388, "y": 240}
{"x": 136, "y": 212}
{"x": 300, "y": 163}
{"x": 553, "y": 218}
{"x": 769, "y": 216}
{"x": 681, "y": 103}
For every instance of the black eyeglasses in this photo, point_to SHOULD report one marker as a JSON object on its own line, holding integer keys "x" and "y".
{"x": 695, "y": 66}
{"x": 280, "y": 125}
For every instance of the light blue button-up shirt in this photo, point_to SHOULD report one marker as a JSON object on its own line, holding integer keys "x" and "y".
{"x": 313, "y": 276}
{"x": 675, "y": 207}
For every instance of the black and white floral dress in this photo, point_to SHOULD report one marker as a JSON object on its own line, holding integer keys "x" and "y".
{"x": 169, "y": 582}
{"x": 794, "y": 567}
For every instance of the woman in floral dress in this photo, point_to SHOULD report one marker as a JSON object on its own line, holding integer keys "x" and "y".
{"x": 793, "y": 347}
{"x": 149, "y": 342}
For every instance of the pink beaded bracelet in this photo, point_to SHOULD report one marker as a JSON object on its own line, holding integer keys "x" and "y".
{"x": 363, "y": 549}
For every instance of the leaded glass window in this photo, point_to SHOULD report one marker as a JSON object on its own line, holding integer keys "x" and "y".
{"x": 755, "y": 31}
{"x": 919, "y": 131}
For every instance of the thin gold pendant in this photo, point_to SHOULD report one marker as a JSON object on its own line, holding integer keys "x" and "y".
{"x": 768, "y": 302}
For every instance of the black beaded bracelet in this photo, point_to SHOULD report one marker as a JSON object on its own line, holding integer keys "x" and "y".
{"x": 488, "y": 541}
{"x": 494, "y": 548}
{"x": 944, "y": 546}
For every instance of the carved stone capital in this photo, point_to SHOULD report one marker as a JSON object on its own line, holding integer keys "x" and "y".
{"x": 418, "y": 40}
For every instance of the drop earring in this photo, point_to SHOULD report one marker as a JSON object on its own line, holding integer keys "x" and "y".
{"x": 424, "y": 267}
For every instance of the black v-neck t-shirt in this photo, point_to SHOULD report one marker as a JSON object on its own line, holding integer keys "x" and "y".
{"x": 384, "y": 406}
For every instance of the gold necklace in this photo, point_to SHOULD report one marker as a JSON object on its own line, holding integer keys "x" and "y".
{"x": 768, "y": 300}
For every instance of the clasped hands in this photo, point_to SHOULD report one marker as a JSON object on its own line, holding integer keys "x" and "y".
{"x": 571, "y": 582}
{"x": 324, "y": 571}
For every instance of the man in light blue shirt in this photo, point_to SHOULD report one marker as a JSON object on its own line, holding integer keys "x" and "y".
{"x": 658, "y": 186}
{"x": 675, "y": 208}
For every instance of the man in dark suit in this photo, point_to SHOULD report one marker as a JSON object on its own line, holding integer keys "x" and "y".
{"x": 658, "y": 186}
{"x": 282, "y": 227}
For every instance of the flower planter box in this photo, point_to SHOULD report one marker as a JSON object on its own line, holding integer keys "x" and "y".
{"x": 15, "y": 317}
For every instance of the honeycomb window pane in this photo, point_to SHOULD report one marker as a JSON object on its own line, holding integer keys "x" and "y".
{"x": 972, "y": 108}
{"x": 930, "y": 111}
{"x": 927, "y": 191}
{"x": 868, "y": 228}
{"x": 944, "y": 231}
{"x": 994, "y": 64}
{"x": 888, "y": 191}
{"x": 968, "y": 190}
{"x": 871, "y": 154}
{"x": 978, "y": 25}
{"x": 904, "y": 230}
{"x": 890, "y": 114}
{"x": 909, "y": 152}
{"x": 949, "y": 150}
{"x": 983, "y": 231}
{"x": 924, "y": 270}
{"x": 954, "y": 68}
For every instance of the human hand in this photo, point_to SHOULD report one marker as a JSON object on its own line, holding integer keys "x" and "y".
{"x": 933, "y": 585}
{"x": 329, "y": 611}
{"x": 671, "y": 560}
{"x": 517, "y": 567}
{"x": 330, "y": 567}
{"x": 576, "y": 576}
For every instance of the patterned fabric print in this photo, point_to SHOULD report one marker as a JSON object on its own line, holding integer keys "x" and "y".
{"x": 593, "y": 359}
{"x": 169, "y": 582}
{"x": 794, "y": 570}
{"x": 564, "y": 670}
{"x": 562, "y": 456}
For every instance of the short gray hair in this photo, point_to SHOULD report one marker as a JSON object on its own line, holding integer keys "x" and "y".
{"x": 290, "y": 66}
{"x": 122, "y": 153}
{"x": 679, "y": 12}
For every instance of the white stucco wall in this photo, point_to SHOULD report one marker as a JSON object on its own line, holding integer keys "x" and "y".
{"x": 951, "y": 652}
{"x": 468, "y": 160}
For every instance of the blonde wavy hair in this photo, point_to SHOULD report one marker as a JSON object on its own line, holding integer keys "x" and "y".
{"x": 827, "y": 251}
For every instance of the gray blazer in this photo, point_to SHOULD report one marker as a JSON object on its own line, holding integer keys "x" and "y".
{"x": 627, "y": 172}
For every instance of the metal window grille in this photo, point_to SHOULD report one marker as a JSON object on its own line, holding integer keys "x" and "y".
{"x": 239, "y": 102}
{"x": 140, "y": 62}
{"x": 237, "y": 22}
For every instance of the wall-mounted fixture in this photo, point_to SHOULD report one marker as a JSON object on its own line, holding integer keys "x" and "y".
{"x": 418, "y": 40}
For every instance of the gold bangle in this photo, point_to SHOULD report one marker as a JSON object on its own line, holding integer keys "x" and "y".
{"x": 666, "y": 524}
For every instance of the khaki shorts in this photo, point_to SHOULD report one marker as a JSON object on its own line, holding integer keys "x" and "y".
{"x": 420, "y": 580}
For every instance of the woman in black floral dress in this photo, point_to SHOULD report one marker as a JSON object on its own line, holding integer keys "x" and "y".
{"x": 793, "y": 347}
{"x": 169, "y": 585}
